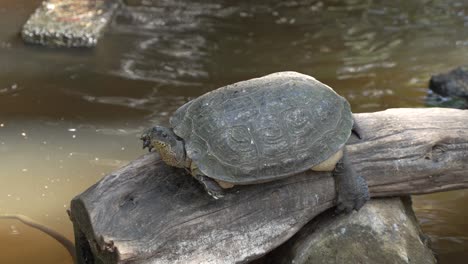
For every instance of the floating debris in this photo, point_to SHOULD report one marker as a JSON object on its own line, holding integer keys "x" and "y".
{"x": 14, "y": 230}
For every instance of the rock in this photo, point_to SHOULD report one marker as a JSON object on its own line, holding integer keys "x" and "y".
{"x": 383, "y": 231}
{"x": 453, "y": 83}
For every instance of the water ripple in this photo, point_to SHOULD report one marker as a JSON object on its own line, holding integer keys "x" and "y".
{"x": 170, "y": 49}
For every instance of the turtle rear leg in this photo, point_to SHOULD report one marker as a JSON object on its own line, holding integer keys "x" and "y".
{"x": 211, "y": 186}
{"x": 352, "y": 189}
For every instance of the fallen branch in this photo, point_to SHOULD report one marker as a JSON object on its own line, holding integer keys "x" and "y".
{"x": 148, "y": 212}
{"x": 65, "y": 242}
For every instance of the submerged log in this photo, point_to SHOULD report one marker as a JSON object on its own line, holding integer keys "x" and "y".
{"x": 147, "y": 212}
{"x": 67, "y": 244}
{"x": 67, "y": 23}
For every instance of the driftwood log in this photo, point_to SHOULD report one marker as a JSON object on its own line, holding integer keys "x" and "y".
{"x": 147, "y": 212}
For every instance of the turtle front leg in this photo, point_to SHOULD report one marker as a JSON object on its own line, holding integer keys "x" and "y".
{"x": 210, "y": 185}
{"x": 352, "y": 189}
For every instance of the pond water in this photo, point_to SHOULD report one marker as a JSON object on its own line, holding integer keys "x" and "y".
{"x": 68, "y": 117}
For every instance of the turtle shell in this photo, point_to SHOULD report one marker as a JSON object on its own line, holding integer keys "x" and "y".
{"x": 264, "y": 128}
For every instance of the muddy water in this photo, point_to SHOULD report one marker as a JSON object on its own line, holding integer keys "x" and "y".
{"x": 68, "y": 117}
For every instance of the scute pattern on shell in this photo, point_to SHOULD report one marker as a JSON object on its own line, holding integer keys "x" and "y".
{"x": 264, "y": 128}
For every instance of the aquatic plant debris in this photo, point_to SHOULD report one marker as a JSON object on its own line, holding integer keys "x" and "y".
{"x": 68, "y": 23}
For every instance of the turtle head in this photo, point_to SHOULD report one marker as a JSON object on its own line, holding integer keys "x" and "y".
{"x": 167, "y": 143}
{"x": 158, "y": 137}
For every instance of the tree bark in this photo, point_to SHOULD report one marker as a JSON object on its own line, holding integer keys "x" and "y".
{"x": 148, "y": 212}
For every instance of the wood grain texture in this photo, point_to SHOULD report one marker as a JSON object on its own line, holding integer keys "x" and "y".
{"x": 148, "y": 212}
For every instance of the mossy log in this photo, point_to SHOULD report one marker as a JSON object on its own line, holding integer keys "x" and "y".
{"x": 147, "y": 212}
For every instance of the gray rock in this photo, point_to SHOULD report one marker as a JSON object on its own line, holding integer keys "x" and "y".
{"x": 383, "y": 231}
{"x": 452, "y": 83}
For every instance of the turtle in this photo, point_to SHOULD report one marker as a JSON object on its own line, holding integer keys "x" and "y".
{"x": 260, "y": 130}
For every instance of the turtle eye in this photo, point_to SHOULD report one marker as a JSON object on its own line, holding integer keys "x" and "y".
{"x": 164, "y": 134}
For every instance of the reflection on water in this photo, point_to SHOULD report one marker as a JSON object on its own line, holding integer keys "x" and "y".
{"x": 443, "y": 217}
{"x": 43, "y": 165}
{"x": 68, "y": 117}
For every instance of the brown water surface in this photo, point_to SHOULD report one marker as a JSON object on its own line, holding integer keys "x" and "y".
{"x": 68, "y": 117}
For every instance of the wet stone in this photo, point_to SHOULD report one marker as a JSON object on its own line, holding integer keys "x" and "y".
{"x": 383, "y": 231}
{"x": 68, "y": 23}
{"x": 453, "y": 83}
